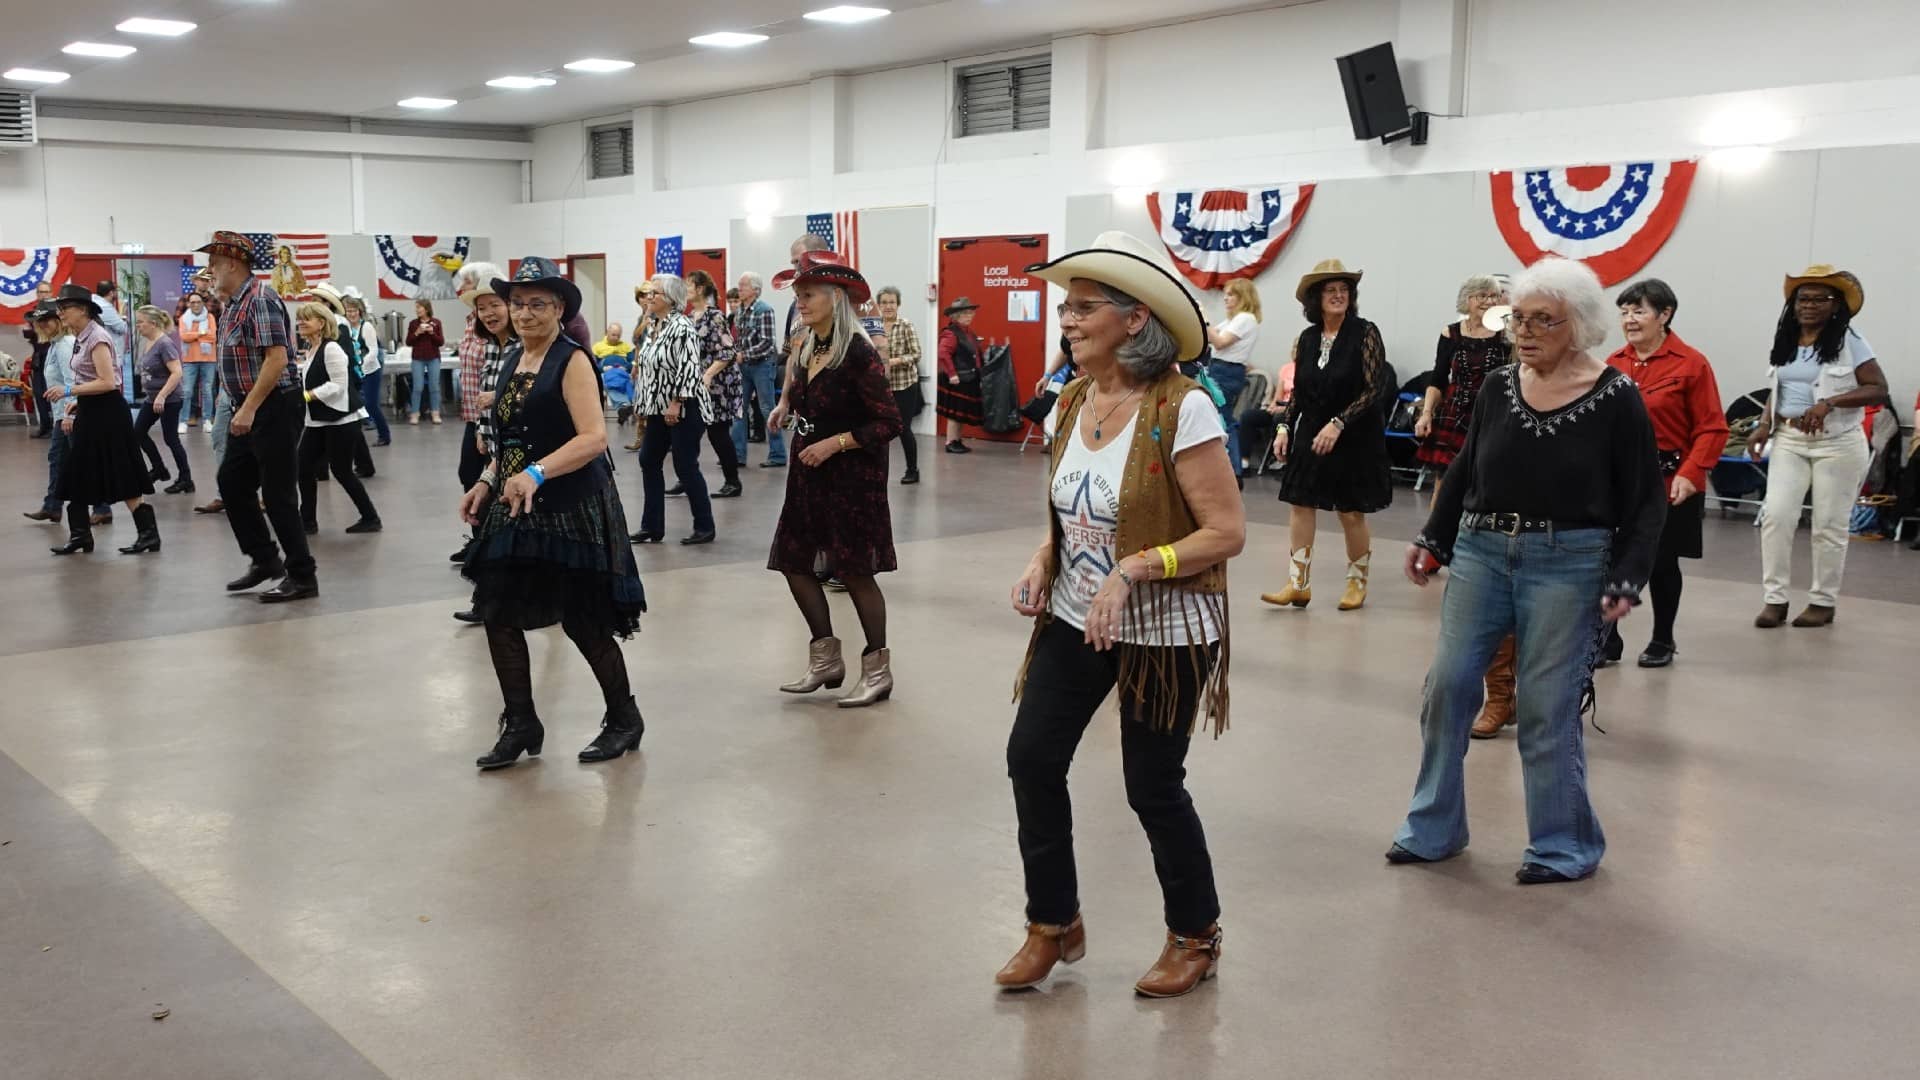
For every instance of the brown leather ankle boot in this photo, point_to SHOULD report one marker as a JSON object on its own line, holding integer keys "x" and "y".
{"x": 1500, "y": 682}
{"x": 1184, "y": 964}
{"x": 1046, "y": 946}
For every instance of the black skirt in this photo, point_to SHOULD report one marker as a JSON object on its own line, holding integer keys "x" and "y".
{"x": 960, "y": 402}
{"x": 1680, "y": 537}
{"x": 1356, "y": 477}
{"x": 573, "y": 566}
{"x": 103, "y": 462}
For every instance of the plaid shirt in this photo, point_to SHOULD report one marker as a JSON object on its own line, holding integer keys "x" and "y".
{"x": 903, "y": 356}
{"x": 473, "y": 362}
{"x": 255, "y": 321}
{"x": 498, "y": 358}
{"x": 753, "y": 332}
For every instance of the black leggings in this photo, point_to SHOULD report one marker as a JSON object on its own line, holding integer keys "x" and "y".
{"x": 910, "y": 449}
{"x": 514, "y": 669}
{"x": 720, "y": 437}
{"x": 333, "y": 446}
{"x": 169, "y": 422}
{"x": 1066, "y": 683}
{"x": 868, "y": 602}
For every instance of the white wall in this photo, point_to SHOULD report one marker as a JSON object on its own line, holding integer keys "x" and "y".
{"x": 759, "y": 136}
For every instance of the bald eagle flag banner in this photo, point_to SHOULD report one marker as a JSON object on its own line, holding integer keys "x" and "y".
{"x": 419, "y": 267}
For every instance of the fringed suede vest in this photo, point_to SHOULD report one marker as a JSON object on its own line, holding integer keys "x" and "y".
{"x": 1153, "y": 511}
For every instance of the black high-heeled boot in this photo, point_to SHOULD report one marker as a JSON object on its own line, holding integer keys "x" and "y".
{"x": 620, "y": 732}
{"x": 517, "y": 734}
{"x": 79, "y": 535}
{"x": 148, "y": 538}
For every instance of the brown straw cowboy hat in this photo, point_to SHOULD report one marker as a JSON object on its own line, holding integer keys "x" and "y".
{"x": 1840, "y": 281}
{"x": 1325, "y": 270}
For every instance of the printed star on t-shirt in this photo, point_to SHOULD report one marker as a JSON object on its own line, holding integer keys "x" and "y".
{"x": 1088, "y": 521}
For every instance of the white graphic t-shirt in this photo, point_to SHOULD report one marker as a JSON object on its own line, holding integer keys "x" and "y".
{"x": 1086, "y": 498}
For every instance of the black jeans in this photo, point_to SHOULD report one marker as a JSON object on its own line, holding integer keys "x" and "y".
{"x": 169, "y": 421}
{"x": 40, "y": 412}
{"x": 720, "y": 437}
{"x": 1066, "y": 683}
{"x": 332, "y": 448}
{"x": 682, "y": 440}
{"x": 472, "y": 461}
{"x": 264, "y": 465}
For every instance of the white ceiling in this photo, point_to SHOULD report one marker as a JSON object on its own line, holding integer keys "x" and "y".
{"x": 358, "y": 57}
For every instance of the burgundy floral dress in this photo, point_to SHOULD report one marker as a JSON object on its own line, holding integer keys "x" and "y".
{"x": 836, "y": 518}
{"x": 1460, "y": 365}
{"x": 716, "y": 344}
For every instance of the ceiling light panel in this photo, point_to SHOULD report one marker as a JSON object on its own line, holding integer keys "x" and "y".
{"x": 727, "y": 39}
{"x": 100, "y": 49}
{"x": 427, "y": 103}
{"x": 599, "y": 66}
{"x": 847, "y": 14}
{"x": 156, "y": 27}
{"x": 520, "y": 82}
{"x": 34, "y": 75}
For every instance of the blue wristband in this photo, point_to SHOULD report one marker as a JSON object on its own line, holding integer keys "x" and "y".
{"x": 539, "y": 474}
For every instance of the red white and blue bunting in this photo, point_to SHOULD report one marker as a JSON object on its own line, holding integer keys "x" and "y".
{"x": 1217, "y": 235}
{"x": 22, "y": 271}
{"x": 1611, "y": 217}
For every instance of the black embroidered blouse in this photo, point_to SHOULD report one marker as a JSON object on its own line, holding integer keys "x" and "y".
{"x": 1589, "y": 463}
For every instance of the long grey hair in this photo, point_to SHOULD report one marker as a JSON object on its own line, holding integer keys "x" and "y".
{"x": 846, "y": 326}
{"x": 1148, "y": 354}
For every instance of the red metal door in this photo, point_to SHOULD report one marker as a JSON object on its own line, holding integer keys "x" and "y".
{"x": 992, "y": 272}
{"x": 714, "y": 262}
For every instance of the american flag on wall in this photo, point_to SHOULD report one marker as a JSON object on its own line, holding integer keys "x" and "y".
{"x": 308, "y": 252}
{"x": 663, "y": 255}
{"x": 841, "y": 231}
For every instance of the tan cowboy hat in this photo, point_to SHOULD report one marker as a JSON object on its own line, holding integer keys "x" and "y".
{"x": 1325, "y": 270}
{"x": 1840, "y": 281}
{"x": 1121, "y": 260}
{"x": 474, "y": 280}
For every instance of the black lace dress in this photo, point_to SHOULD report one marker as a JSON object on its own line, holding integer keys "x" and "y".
{"x": 1346, "y": 377}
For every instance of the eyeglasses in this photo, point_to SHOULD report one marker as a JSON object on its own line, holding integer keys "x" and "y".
{"x": 1534, "y": 325}
{"x": 1081, "y": 309}
{"x": 1815, "y": 299}
{"x": 538, "y": 307}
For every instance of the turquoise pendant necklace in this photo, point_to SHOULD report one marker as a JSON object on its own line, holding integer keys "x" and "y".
{"x": 1100, "y": 423}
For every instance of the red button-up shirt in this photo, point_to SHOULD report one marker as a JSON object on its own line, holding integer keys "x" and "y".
{"x": 1683, "y": 401}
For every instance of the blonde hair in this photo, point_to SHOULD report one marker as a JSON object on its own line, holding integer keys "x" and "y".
{"x": 314, "y": 309}
{"x": 156, "y": 316}
{"x": 846, "y": 323}
{"x": 1242, "y": 290}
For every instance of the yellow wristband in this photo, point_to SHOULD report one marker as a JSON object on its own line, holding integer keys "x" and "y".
{"x": 1169, "y": 561}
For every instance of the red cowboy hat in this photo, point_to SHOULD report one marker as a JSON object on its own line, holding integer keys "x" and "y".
{"x": 830, "y": 269}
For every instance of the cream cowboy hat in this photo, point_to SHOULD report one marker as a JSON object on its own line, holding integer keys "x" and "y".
{"x": 1840, "y": 281}
{"x": 1124, "y": 262}
{"x": 474, "y": 280}
{"x": 330, "y": 296}
{"x": 1325, "y": 270}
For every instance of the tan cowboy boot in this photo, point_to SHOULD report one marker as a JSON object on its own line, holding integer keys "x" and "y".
{"x": 1299, "y": 590}
{"x": 1184, "y": 964}
{"x": 1500, "y": 682}
{"x": 1356, "y": 593}
{"x": 876, "y": 681}
{"x": 824, "y": 668}
{"x": 1046, "y": 946}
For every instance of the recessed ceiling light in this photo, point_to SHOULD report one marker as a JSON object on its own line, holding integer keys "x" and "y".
{"x": 848, "y": 13}
{"x": 35, "y": 75}
{"x": 427, "y": 103}
{"x": 727, "y": 39}
{"x": 157, "y": 27}
{"x": 599, "y": 65}
{"x": 96, "y": 48}
{"x": 520, "y": 82}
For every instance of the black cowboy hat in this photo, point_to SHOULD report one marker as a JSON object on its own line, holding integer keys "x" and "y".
{"x": 77, "y": 294}
{"x": 542, "y": 273}
{"x": 960, "y": 305}
{"x": 45, "y": 309}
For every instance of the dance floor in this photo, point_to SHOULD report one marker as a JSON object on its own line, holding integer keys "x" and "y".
{"x": 264, "y": 822}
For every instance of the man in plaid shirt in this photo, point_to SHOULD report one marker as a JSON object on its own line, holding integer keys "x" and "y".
{"x": 269, "y": 416}
{"x": 761, "y": 364}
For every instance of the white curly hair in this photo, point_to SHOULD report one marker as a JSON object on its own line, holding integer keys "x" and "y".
{"x": 1572, "y": 284}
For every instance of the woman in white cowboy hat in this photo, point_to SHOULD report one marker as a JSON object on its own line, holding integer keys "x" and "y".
{"x": 836, "y": 520}
{"x": 1335, "y": 442}
{"x": 1825, "y": 378}
{"x": 1129, "y": 589}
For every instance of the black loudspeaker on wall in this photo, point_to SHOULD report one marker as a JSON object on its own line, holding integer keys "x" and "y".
{"x": 1375, "y": 102}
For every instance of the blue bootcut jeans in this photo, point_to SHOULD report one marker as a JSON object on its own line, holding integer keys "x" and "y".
{"x": 1544, "y": 588}
{"x": 762, "y": 377}
{"x": 56, "y": 457}
{"x": 1231, "y": 379}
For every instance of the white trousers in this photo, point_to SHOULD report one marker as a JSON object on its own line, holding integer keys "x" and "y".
{"x": 1835, "y": 465}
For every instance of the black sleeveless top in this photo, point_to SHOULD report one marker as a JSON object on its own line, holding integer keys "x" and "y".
{"x": 542, "y": 425}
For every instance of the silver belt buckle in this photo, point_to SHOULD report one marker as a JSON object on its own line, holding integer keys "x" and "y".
{"x": 1514, "y": 531}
